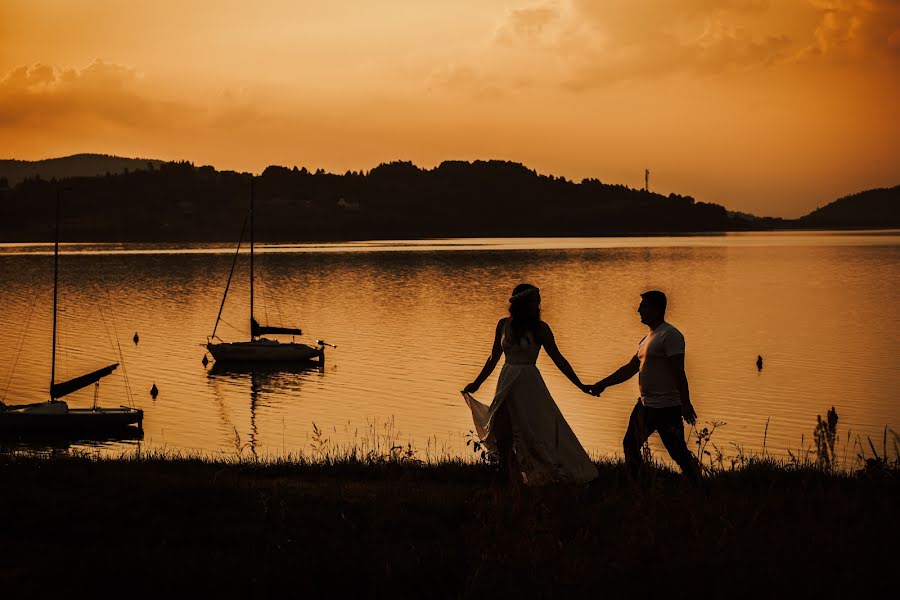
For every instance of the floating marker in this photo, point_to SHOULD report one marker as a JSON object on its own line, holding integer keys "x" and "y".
{"x": 136, "y": 338}
{"x": 759, "y": 362}
{"x": 154, "y": 391}
{"x": 205, "y": 360}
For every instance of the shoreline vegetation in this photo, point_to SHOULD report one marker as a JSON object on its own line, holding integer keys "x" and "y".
{"x": 372, "y": 517}
{"x": 153, "y": 201}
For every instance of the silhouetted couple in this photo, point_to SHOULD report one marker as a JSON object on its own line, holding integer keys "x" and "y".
{"x": 523, "y": 425}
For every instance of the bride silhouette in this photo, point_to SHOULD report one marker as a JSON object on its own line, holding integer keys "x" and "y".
{"x": 523, "y": 426}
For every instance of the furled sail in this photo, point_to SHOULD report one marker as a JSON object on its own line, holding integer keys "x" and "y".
{"x": 256, "y": 329}
{"x": 64, "y": 388}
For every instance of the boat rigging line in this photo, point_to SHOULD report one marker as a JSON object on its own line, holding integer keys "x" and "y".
{"x": 269, "y": 291}
{"x": 228, "y": 284}
{"x": 117, "y": 346}
{"x": 235, "y": 327}
{"x": 12, "y": 368}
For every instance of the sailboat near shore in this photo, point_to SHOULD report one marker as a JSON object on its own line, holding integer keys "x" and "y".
{"x": 54, "y": 415}
{"x": 259, "y": 348}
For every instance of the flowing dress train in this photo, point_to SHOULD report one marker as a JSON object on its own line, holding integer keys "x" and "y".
{"x": 545, "y": 447}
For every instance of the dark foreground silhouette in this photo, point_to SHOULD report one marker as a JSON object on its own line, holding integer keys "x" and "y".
{"x": 152, "y": 527}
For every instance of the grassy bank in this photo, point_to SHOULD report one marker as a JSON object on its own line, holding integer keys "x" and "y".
{"x": 162, "y": 524}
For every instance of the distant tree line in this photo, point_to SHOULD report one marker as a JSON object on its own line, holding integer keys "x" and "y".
{"x": 873, "y": 208}
{"x": 180, "y": 202}
{"x": 14, "y": 171}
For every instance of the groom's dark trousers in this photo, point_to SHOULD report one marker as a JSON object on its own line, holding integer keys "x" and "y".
{"x": 667, "y": 421}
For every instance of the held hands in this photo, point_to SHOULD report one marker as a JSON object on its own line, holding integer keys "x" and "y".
{"x": 471, "y": 388}
{"x": 596, "y": 389}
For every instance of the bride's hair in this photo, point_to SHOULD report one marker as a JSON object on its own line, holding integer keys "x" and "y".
{"x": 522, "y": 319}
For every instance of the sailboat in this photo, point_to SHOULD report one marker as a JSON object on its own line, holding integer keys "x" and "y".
{"x": 259, "y": 348}
{"x": 55, "y": 415}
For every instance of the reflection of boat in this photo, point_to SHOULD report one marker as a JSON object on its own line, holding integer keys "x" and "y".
{"x": 263, "y": 378}
{"x": 263, "y": 373}
{"x": 42, "y": 441}
{"x": 257, "y": 348}
{"x": 55, "y": 416}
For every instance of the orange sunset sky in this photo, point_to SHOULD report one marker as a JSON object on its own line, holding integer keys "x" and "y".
{"x": 767, "y": 106}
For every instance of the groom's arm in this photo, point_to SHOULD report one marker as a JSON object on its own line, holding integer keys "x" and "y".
{"x": 622, "y": 375}
{"x": 676, "y": 363}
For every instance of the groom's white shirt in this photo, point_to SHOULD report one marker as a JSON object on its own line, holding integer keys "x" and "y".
{"x": 655, "y": 378}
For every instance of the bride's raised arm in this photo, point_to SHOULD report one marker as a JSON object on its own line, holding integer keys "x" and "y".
{"x": 549, "y": 343}
{"x": 491, "y": 363}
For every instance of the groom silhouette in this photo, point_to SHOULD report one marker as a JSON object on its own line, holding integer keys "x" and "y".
{"x": 665, "y": 397}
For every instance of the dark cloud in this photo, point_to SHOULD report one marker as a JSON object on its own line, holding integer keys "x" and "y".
{"x": 857, "y": 29}
{"x": 584, "y": 44}
{"x": 100, "y": 92}
{"x": 595, "y": 43}
{"x": 528, "y": 23}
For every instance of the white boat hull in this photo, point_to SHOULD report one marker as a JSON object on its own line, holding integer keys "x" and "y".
{"x": 264, "y": 351}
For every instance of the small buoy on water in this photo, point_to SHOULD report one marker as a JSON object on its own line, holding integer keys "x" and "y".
{"x": 205, "y": 360}
{"x": 154, "y": 391}
{"x": 759, "y": 362}
{"x": 135, "y": 338}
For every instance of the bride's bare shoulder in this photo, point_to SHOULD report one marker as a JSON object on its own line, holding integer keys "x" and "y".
{"x": 501, "y": 325}
{"x": 544, "y": 331}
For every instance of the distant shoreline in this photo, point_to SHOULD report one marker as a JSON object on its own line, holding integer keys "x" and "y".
{"x": 386, "y": 238}
{"x": 178, "y": 202}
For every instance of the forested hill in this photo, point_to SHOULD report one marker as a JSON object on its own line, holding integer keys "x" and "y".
{"x": 180, "y": 202}
{"x": 14, "y": 171}
{"x": 873, "y": 208}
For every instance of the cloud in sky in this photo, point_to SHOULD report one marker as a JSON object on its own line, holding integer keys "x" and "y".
{"x": 753, "y": 103}
{"x": 101, "y": 92}
{"x": 858, "y": 28}
{"x": 583, "y": 44}
{"x": 528, "y": 23}
{"x": 602, "y": 42}
{"x": 107, "y": 107}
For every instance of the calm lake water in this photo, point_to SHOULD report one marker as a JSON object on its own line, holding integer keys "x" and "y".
{"x": 413, "y": 322}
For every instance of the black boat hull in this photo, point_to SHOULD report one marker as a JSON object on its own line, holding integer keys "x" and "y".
{"x": 72, "y": 420}
{"x": 263, "y": 351}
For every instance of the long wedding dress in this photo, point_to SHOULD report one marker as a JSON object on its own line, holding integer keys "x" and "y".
{"x": 545, "y": 447}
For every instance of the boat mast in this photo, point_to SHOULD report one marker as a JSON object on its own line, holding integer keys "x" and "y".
{"x": 55, "y": 292}
{"x": 252, "y": 337}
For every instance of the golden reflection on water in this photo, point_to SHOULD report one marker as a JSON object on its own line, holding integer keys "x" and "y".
{"x": 413, "y": 323}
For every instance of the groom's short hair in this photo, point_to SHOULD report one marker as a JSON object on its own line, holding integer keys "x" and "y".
{"x": 656, "y": 298}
